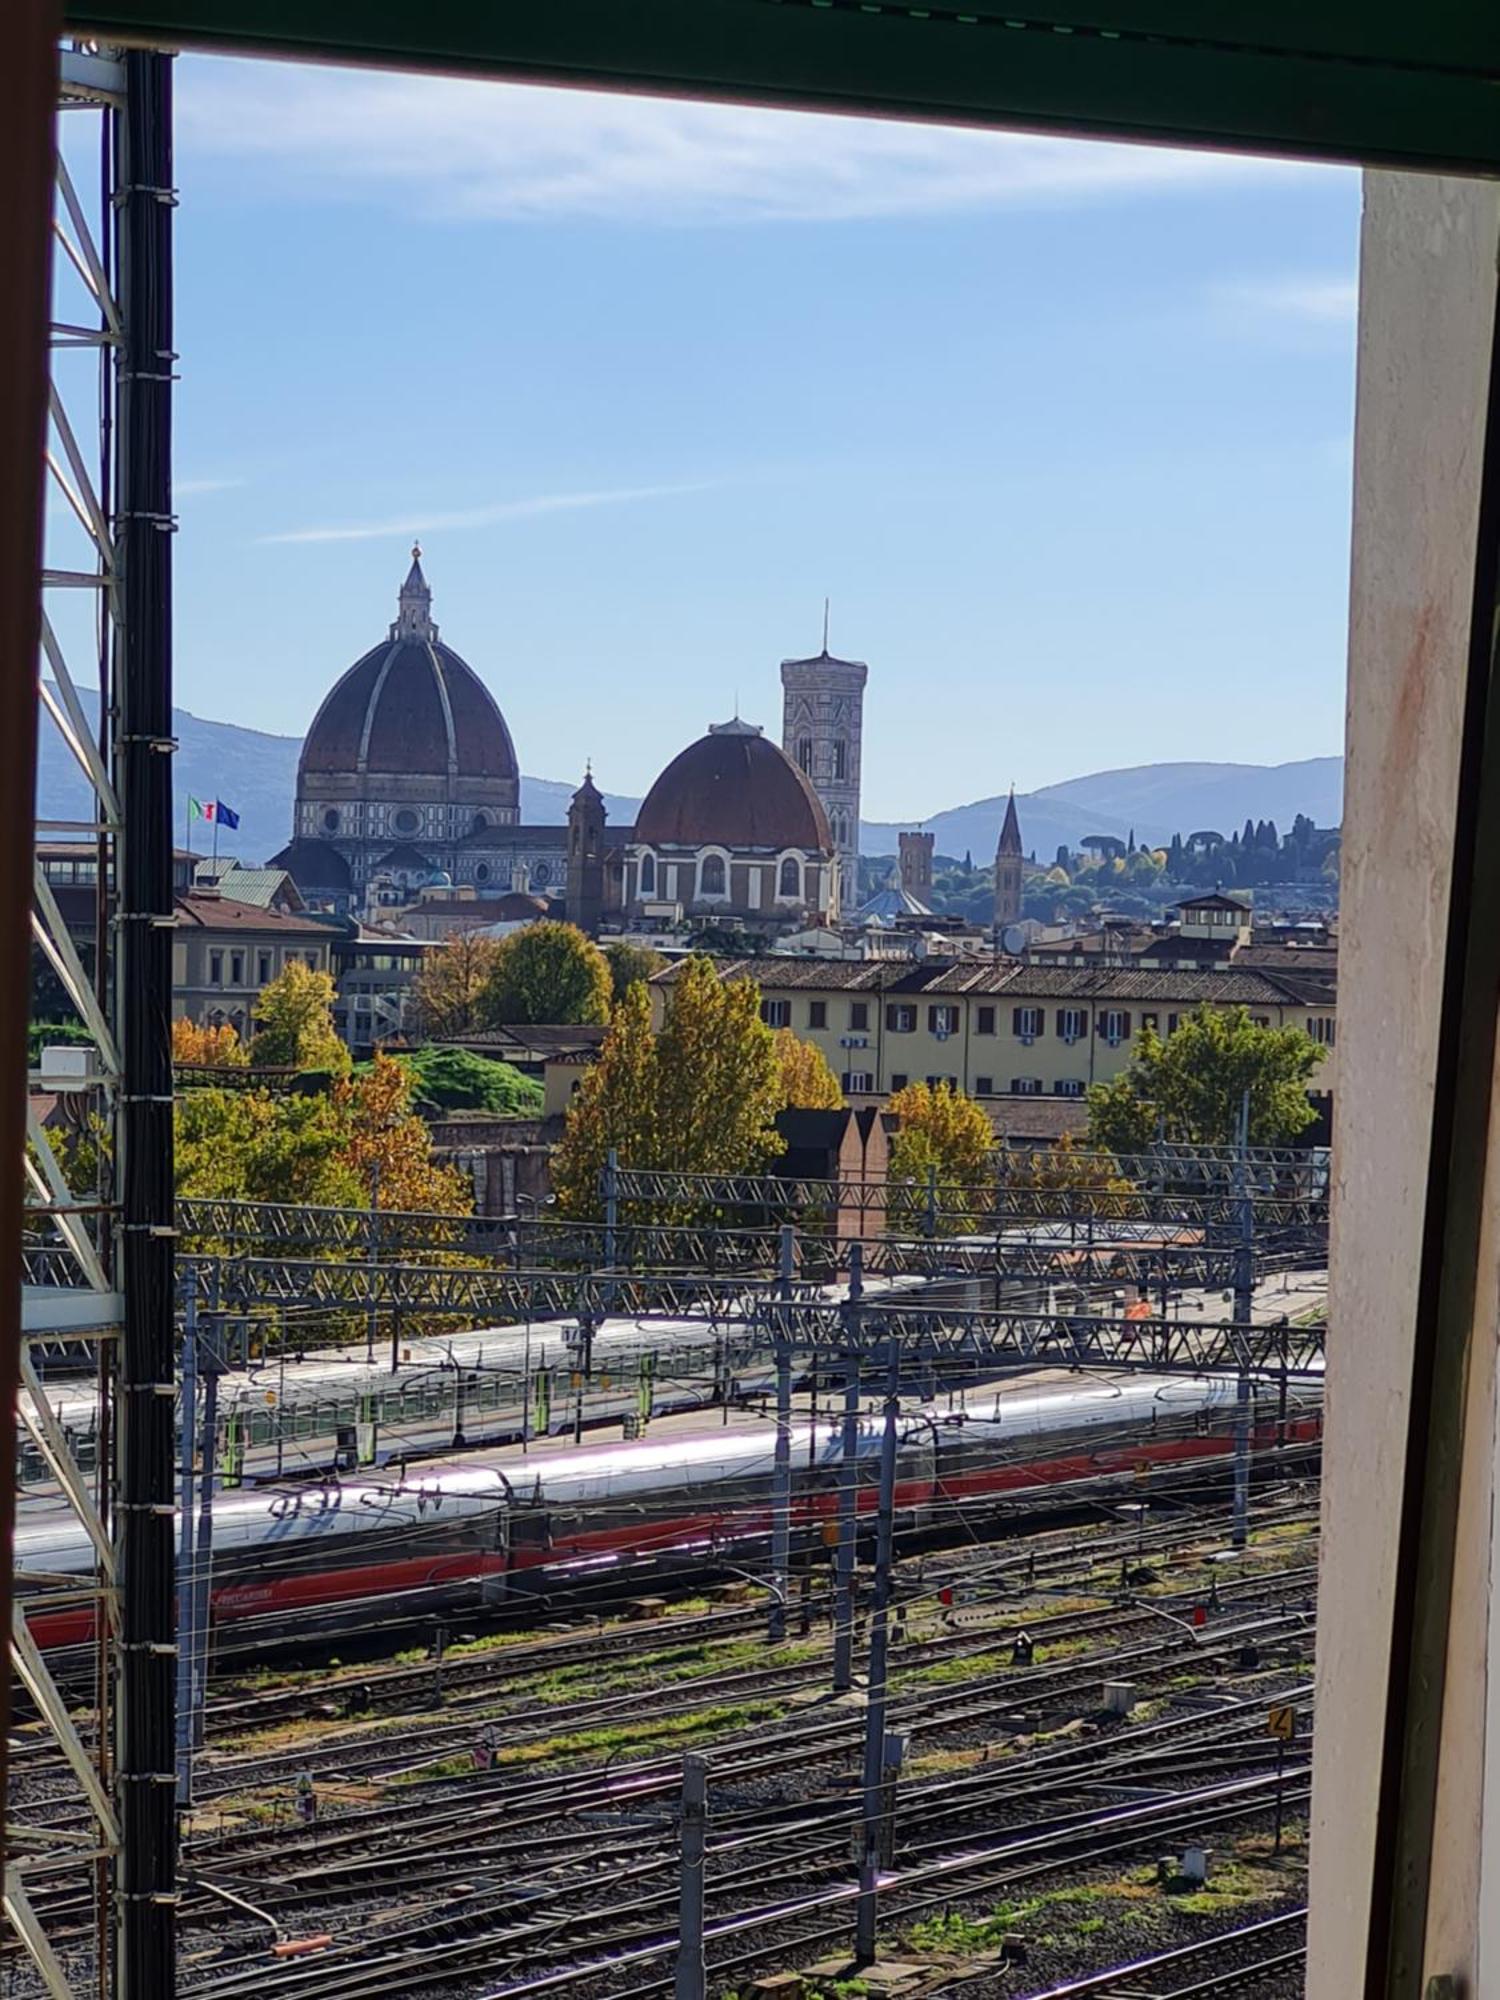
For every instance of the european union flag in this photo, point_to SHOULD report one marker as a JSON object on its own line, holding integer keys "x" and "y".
{"x": 224, "y": 815}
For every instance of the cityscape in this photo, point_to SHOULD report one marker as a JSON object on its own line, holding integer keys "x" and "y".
{"x": 641, "y": 1371}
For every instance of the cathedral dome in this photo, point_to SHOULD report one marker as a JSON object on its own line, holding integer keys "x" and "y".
{"x": 410, "y": 707}
{"x": 733, "y": 789}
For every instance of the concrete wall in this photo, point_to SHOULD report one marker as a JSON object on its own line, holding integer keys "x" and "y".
{"x": 1428, "y": 265}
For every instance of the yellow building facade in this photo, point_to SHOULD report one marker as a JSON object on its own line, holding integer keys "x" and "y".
{"x": 1000, "y": 1029}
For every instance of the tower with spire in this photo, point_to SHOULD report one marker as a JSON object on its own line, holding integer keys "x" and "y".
{"x": 1009, "y": 855}
{"x": 586, "y": 857}
{"x": 822, "y": 729}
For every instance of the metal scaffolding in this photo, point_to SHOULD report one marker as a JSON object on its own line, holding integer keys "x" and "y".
{"x": 99, "y": 1216}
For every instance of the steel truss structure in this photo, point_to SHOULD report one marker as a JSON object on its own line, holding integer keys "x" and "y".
{"x": 99, "y": 1272}
{"x": 994, "y": 1337}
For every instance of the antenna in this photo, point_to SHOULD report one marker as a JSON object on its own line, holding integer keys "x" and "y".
{"x": 825, "y": 628}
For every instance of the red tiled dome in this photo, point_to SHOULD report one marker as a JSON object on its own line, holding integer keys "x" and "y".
{"x": 733, "y": 788}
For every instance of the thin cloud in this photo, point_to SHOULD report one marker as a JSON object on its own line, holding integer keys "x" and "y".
{"x": 184, "y": 488}
{"x": 1308, "y": 301}
{"x": 464, "y": 150}
{"x": 488, "y": 516}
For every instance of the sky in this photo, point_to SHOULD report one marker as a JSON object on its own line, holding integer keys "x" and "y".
{"x": 1062, "y": 430}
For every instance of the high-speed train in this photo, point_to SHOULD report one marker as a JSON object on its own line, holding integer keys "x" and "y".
{"x": 475, "y": 1533}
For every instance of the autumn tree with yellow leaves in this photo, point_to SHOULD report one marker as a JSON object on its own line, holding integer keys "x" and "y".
{"x": 807, "y": 1082}
{"x": 699, "y": 1098}
{"x": 943, "y": 1141}
{"x": 195, "y": 1047}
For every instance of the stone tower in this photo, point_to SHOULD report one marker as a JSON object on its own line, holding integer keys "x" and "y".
{"x": 1008, "y": 858}
{"x": 916, "y": 865}
{"x": 586, "y": 816}
{"x": 822, "y": 724}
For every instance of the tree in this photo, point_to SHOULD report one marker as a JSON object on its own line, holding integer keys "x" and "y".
{"x": 629, "y": 963}
{"x": 807, "y": 1082}
{"x": 295, "y": 1017}
{"x": 943, "y": 1137}
{"x": 1190, "y": 1088}
{"x": 699, "y": 1098}
{"x": 447, "y": 993}
{"x": 719, "y": 1086}
{"x": 547, "y": 972}
{"x": 388, "y": 1148}
{"x": 614, "y": 1106}
{"x": 458, "y": 1080}
{"x": 206, "y": 1048}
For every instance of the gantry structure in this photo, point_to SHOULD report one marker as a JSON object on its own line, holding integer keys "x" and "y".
{"x": 98, "y": 1243}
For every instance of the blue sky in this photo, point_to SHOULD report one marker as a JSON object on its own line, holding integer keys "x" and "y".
{"x": 1062, "y": 430}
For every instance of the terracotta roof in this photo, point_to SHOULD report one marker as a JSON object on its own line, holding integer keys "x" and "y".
{"x": 222, "y": 913}
{"x": 1021, "y": 982}
{"x": 735, "y": 789}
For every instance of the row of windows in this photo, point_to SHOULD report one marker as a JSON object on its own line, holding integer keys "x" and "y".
{"x": 861, "y": 1081}
{"x": 1028, "y": 1024}
{"x": 712, "y": 880}
{"x": 264, "y": 966}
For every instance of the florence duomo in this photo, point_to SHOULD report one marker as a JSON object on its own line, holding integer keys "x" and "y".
{"x": 409, "y": 784}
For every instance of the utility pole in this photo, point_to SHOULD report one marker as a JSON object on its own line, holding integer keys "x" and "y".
{"x": 373, "y": 1320}
{"x": 611, "y": 1220}
{"x": 210, "y": 1361}
{"x": 1244, "y": 1307}
{"x": 781, "y": 1481}
{"x": 875, "y": 1700}
{"x": 692, "y": 1971}
{"x": 186, "y": 1596}
{"x": 843, "y": 1599}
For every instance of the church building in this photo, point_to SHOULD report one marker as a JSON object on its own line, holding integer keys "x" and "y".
{"x": 408, "y": 780}
{"x": 733, "y": 831}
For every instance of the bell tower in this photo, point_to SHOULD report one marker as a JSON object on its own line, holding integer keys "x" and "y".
{"x": 1008, "y": 858}
{"x": 822, "y": 728}
{"x": 586, "y": 817}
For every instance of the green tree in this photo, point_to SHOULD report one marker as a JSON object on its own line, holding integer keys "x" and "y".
{"x": 1190, "y": 1088}
{"x": 613, "y": 1106}
{"x": 719, "y": 1087}
{"x": 547, "y": 972}
{"x": 943, "y": 1136}
{"x": 446, "y": 1079}
{"x": 629, "y": 963}
{"x": 701, "y": 1097}
{"x": 294, "y": 1017}
{"x": 807, "y": 1082}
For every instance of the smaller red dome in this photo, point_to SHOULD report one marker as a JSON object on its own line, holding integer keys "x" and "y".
{"x": 733, "y": 788}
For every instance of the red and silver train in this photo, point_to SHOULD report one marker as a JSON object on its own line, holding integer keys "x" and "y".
{"x": 299, "y": 1562}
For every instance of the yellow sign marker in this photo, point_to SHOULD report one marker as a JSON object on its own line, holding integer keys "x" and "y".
{"x": 1282, "y": 1722}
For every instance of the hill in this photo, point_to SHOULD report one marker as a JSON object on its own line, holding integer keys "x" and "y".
{"x": 256, "y": 774}
{"x": 1156, "y": 800}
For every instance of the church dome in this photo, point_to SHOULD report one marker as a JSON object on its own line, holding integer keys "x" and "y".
{"x": 733, "y": 788}
{"x": 410, "y": 707}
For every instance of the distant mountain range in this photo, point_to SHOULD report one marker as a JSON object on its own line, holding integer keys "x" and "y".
{"x": 1152, "y": 800}
{"x": 256, "y": 774}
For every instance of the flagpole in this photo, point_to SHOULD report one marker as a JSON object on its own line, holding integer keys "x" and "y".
{"x": 216, "y": 840}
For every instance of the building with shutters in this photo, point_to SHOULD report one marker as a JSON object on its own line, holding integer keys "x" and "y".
{"x": 999, "y": 1029}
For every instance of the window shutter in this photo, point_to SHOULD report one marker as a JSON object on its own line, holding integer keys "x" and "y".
{"x": 1015, "y": 1020}
{"x": 1062, "y": 1020}
{"x": 1125, "y": 1025}
{"x": 890, "y": 1017}
{"x": 844, "y": 1083}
